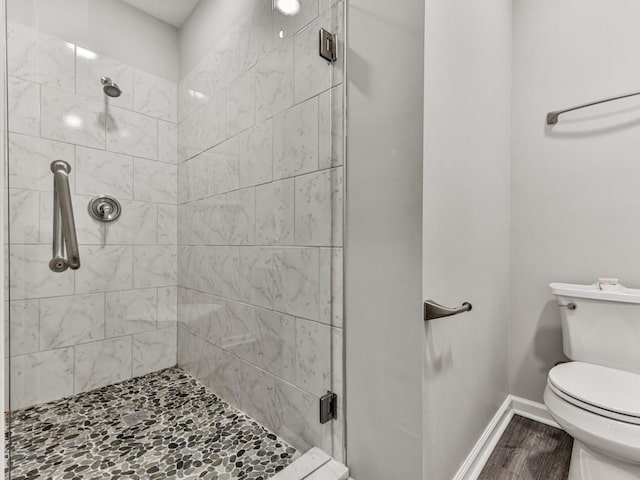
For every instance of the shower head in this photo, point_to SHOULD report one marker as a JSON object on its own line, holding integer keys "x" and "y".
{"x": 109, "y": 88}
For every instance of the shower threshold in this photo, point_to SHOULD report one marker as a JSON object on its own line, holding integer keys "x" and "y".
{"x": 160, "y": 426}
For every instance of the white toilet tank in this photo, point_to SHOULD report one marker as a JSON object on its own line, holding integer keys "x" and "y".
{"x": 600, "y": 324}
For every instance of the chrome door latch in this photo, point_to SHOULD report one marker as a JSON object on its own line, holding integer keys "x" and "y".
{"x": 433, "y": 310}
{"x": 328, "y": 47}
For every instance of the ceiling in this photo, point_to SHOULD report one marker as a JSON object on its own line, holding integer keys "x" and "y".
{"x": 173, "y": 12}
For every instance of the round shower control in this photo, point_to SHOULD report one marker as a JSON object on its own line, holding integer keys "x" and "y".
{"x": 104, "y": 208}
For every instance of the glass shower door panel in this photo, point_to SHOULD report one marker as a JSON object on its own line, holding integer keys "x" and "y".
{"x": 216, "y": 294}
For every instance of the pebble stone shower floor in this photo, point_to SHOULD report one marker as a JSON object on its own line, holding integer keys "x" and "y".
{"x": 188, "y": 433}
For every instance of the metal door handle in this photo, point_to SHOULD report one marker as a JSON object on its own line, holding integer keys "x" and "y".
{"x": 433, "y": 310}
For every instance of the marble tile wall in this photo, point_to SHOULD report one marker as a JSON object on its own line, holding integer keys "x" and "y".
{"x": 260, "y": 194}
{"x": 115, "y": 317}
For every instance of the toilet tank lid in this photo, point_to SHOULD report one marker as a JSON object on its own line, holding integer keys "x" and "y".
{"x": 607, "y": 388}
{"x": 621, "y": 294}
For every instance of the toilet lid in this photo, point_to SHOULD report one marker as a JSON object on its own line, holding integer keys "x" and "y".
{"x": 608, "y": 389}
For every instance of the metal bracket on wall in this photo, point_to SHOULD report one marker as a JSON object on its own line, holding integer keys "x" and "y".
{"x": 328, "y": 47}
{"x": 328, "y": 407}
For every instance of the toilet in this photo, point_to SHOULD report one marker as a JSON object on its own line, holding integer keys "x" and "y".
{"x": 596, "y": 397}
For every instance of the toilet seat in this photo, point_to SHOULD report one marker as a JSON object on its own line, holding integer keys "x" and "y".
{"x": 607, "y": 392}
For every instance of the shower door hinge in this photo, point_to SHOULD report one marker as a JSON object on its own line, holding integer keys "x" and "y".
{"x": 328, "y": 407}
{"x": 328, "y": 47}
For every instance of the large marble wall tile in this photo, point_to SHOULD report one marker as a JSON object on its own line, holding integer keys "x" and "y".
{"x": 275, "y": 213}
{"x": 40, "y": 58}
{"x": 225, "y": 166}
{"x": 241, "y": 103}
{"x": 257, "y": 394}
{"x": 155, "y": 266}
{"x": 30, "y": 274}
{"x": 24, "y": 216}
{"x": 197, "y": 267}
{"x": 155, "y": 181}
{"x": 98, "y": 172}
{"x": 131, "y": 311}
{"x": 137, "y": 224}
{"x": 24, "y": 331}
{"x": 331, "y": 128}
{"x": 297, "y": 417}
{"x": 225, "y": 272}
{"x": 155, "y": 350}
{"x": 236, "y": 331}
{"x": 337, "y": 206}
{"x": 199, "y": 313}
{"x": 256, "y": 33}
{"x": 313, "y": 357}
{"x": 132, "y": 133}
{"x": 313, "y": 74}
{"x": 193, "y": 262}
{"x": 187, "y": 350}
{"x": 102, "y": 363}
{"x": 331, "y": 286}
{"x": 204, "y": 128}
{"x": 30, "y": 161}
{"x": 105, "y": 269}
{"x": 195, "y": 178}
{"x": 23, "y": 105}
{"x": 167, "y": 306}
{"x": 314, "y": 207}
{"x": 277, "y": 344}
{"x": 221, "y": 372}
{"x": 41, "y": 377}
{"x": 155, "y": 96}
{"x": 72, "y": 119}
{"x": 167, "y": 142}
{"x": 203, "y": 222}
{"x": 299, "y": 270}
{"x": 240, "y": 217}
{"x": 197, "y": 87}
{"x": 167, "y": 225}
{"x": 326, "y": 4}
{"x": 91, "y": 67}
{"x": 274, "y": 81}
{"x": 295, "y": 140}
{"x": 67, "y": 321}
{"x": 288, "y": 25}
{"x": 255, "y": 163}
{"x": 226, "y": 59}
{"x": 259, "y": 279}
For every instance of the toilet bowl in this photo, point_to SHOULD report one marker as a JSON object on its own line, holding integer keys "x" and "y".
{"x": 600, "y": 408}
{"x": 596, "y": 398}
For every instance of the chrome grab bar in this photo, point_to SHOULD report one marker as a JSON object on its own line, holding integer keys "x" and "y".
{"x": 433, "y": 310}
{"x": 64, "y": 226}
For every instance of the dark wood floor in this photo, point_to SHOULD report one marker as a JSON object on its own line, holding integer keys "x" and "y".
{"x": 529, "y": 450}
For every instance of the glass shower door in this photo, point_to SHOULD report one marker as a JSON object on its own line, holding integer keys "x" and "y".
{"x": 205, "y": 155}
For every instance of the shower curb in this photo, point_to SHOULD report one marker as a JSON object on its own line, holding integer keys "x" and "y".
{"x": 314, "y": 465}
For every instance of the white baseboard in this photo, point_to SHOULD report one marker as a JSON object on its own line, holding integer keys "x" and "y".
{"x": 475, "y": 462}
{"x": 533, "y": 411}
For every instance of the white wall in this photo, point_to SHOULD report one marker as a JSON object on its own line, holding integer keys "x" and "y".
{"x": 110, "y": 27}
{"x": 383, "y": 239}
{"x": 466, "y": 223}
{"x": 575, "y": 186}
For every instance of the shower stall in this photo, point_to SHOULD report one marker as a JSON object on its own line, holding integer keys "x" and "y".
{"x": 174, "y": 190}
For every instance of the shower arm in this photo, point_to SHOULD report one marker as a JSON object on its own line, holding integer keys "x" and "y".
{"x": 552, "y": 117}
